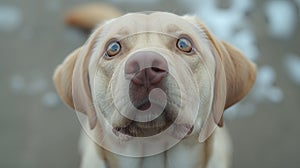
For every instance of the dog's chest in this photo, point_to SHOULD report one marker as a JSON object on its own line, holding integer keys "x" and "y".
{"x": 182, "y": 155}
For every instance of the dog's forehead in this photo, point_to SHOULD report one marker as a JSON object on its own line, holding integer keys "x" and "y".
{"x": 148, "y": 21}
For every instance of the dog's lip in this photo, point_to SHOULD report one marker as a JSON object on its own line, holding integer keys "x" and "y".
{"x": 156, "y": 126}
{"x": 159, "y": 123}
{"x": 181, "y": 130}
{"x": 142, "y": 125}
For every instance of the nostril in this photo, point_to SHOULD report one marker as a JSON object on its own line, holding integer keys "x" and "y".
{"x": 157, "y": 70}
{"x": 156, "y": 75}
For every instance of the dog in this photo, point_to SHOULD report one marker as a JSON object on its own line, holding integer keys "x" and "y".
{"x": 170, "y": 64}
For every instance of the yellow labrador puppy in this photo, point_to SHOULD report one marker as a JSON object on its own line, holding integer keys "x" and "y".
{"x": 154, "y": 87}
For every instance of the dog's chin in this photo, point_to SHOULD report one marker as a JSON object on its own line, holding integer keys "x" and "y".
{"x": 144, "y": 129}
{"x": 166, "y": 121}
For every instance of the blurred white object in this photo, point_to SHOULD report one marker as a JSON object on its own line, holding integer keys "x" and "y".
{"x": 225, "y": 23}
{"x": 243, "y": 5}
{"x": 36, "y": 85}
{"x": 220, "y": 21}
{"x": 29, "y": 84}
{"x": 233, "y": 26}
{"x": 265, "y": 76}
{"x": 17, "y": 83}
{"x": 292, "y": 67}
{"x": 245, "y": 40}
{"x": 282, "y": 17}
{"x": 264, "y": 89}
{"x": 10, "y": 18}
{"x": 50, "y": 99}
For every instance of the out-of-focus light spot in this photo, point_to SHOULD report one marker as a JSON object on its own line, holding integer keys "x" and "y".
{"x": 265, "y": 76}
{"x": 17, "y": 83}
{"x": 50, "y": 99}
{"x": 264, "y": 89}
{"x": 28, "y": 84}
{"x": 225, "y": 23}
{"x": 282, "y": 17}
{"x": 36, "y": 85}
{"x": 292, "y": 67}
{"x": 246, "y": 42}
{"x": 10, "y": 18}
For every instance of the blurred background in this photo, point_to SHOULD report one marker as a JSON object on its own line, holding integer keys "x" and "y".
{"x": 38, "y": 130}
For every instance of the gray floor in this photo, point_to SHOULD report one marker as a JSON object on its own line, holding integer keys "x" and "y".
{"x": 37, "y": 131}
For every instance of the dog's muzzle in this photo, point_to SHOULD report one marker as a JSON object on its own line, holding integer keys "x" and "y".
{"x": 145, "y": 70}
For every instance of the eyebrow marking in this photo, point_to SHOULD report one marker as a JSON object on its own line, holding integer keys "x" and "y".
{"x": 172, "y": 28}
{"x": 124, "y": 31}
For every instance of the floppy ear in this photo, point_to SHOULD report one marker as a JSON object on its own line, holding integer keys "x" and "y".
{"x": 234, "y": 76}
{"x": 71, "y": 80}
{"x": 234, "y": 73}
{"x": 72, "y": 84}
{"x": 238, "y": 72}
{"x": 63, "y": 78}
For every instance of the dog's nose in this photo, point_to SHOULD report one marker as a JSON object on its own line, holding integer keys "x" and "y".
{"x": 146, "y": 68}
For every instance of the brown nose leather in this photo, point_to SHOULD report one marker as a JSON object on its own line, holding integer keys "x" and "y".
{"x": 146, "y": 68}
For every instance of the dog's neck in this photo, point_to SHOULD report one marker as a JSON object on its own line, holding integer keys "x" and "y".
{"x": 188, "y": 153}
{"x": 214, "y": 152}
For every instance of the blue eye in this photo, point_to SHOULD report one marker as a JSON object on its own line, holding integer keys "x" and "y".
{"x": 184, "y": 45}
{"x": 113, "y": 49}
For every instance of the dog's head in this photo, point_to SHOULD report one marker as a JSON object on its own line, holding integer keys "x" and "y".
{"x": 146, "y": 72}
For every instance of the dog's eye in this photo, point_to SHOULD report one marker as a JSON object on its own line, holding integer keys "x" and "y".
{"x": 184, "y": 45}
{"x": 113, "y": 49}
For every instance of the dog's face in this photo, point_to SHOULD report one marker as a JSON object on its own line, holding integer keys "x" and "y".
{"x": 146, "y": 72}
{"x": 134, "y": 56}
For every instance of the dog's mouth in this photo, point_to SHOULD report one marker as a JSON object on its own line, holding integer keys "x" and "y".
{"x": 149, "y": 128}
{"x": 160, "y": 124}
